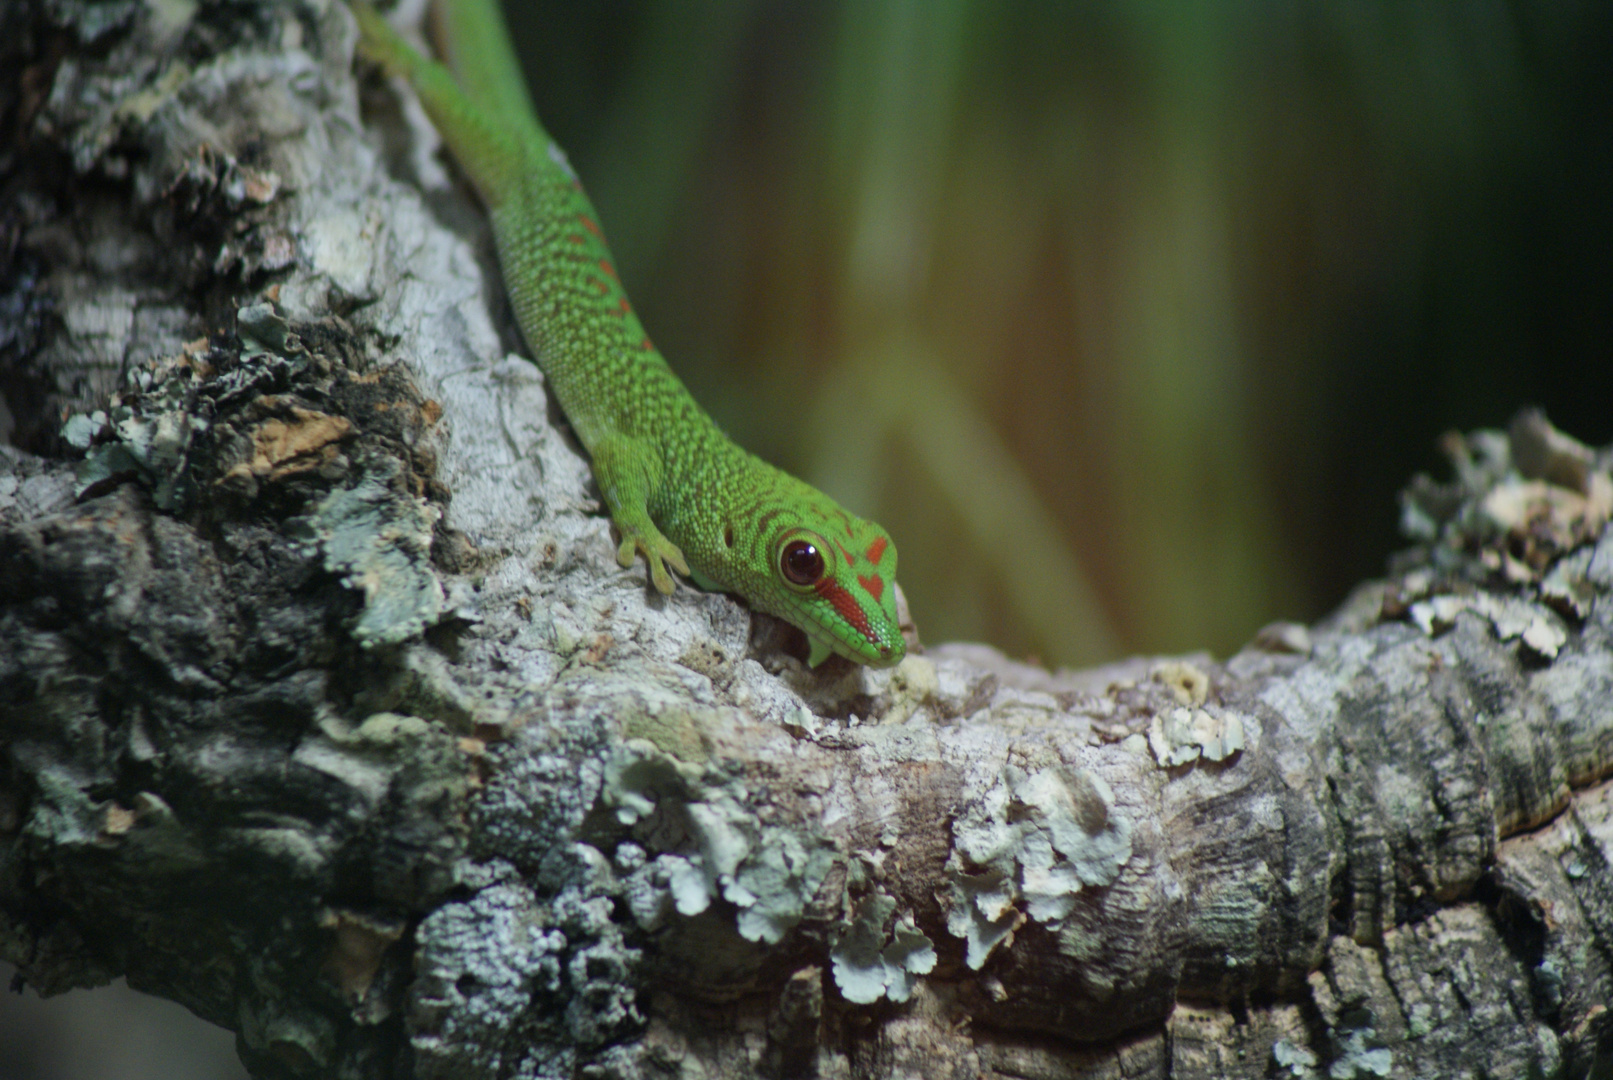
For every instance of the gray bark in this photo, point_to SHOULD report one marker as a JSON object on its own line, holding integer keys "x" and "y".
{"x": 326, "y": 712}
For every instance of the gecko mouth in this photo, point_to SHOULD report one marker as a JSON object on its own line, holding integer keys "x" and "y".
{"x": 847, "y": 607}
{"x": 866, "y": 649}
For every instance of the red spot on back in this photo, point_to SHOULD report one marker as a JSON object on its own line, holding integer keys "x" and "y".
{"x": 843, "y": 602}
{"x": 610, "y": 271}
{"x": 591, "y": 225}
{"x": 875, "y": 585}
{"x": 876, "y": 552}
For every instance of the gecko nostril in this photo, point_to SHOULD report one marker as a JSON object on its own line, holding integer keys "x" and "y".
{"x": 728, "y": 536}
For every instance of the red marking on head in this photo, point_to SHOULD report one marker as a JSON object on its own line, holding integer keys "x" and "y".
{"x": 875, "y": 585}
{"x": 591, "y": 225}
{"x": 624, "y": 307}
{"x": 645, "y": 345}
{"x": 849, "y": 560}
{"x": 849, "y": 609}
{"x": 876, "y": 552}
{"x": 577, "y": 238}
{"x": 610, "y": 271}
{"x": 603, "y": 288}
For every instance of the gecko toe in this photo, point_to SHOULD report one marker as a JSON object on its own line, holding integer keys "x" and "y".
{"x": 675, "y": 557}
{"x": 663, "y": 580}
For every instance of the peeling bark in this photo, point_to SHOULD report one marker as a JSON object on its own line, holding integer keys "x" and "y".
{"x": 326, "y": 712}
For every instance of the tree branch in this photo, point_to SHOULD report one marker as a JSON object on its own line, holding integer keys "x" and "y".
{"x": 327, "y": 713}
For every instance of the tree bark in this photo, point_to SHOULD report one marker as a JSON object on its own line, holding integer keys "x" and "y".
{"x": 327, "y": 713}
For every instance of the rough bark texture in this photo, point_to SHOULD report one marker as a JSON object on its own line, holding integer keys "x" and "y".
{"x": 396, "y": 786}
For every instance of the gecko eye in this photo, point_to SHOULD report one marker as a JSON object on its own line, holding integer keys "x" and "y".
{"x": 801, "y": 562}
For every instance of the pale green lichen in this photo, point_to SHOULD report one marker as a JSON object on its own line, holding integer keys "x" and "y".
{"x": 1025, "y": 850}
{"x": 1294, "y": 1060}
{"x": 153, "y": 441}
{"x": 1361, "y": 1053}
{"x": 983, "y": 911}
{"x": 714, "y": 843}
{"x": 261, "y": 330}
{"x": 81, "y": 429}
{"x": 379, "y": 541}
{"x": 870, "y": 962}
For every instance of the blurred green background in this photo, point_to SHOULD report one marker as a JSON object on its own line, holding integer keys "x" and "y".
{"x": 1127, "y": 319}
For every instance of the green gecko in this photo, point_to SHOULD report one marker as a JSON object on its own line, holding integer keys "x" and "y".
{"x": 678, "y": 489}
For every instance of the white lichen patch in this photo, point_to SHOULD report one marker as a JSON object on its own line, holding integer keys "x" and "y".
{"x": 1514, "y": 619}
{"x": 1567, "y": 587}
{"x": 1182, "y": 736}
{"x": 1018, "y": 712}
{"x": 343, "y": 247}
{"x": 713, "y": 842}
{"x": 1511, "y": 507}
{"x": 1189, "y": 684}
{"x": 870, "y": 961}
{"x": 1024, "y": 850}
{"x": 910, "y": 686}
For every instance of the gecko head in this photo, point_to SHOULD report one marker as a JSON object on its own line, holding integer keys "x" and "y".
{"x": 834, "y": 576}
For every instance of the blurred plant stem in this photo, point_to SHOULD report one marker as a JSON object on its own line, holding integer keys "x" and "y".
{"x": 898, "y": 71}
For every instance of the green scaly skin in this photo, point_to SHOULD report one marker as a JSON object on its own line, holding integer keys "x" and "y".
{"x": 679, "y": 491}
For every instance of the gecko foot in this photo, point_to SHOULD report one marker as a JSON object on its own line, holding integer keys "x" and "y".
{"x": 658, "y": 552}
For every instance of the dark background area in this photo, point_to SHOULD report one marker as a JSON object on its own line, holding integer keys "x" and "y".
{"x": 1128, "y": 319}
{"x": 1214, "y": 276}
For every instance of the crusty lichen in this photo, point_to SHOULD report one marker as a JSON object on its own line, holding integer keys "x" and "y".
{"x": 1518, "y": 519}
{"x": 513, "y": 985}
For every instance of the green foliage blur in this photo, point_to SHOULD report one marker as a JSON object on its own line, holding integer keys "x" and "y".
{"x": 1128, "y": 319}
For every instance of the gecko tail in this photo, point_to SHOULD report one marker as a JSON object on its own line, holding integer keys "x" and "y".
{"x": 479, "y": 141}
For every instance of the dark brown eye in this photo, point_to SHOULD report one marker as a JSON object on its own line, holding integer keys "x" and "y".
{"x": 801, "y": 562}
